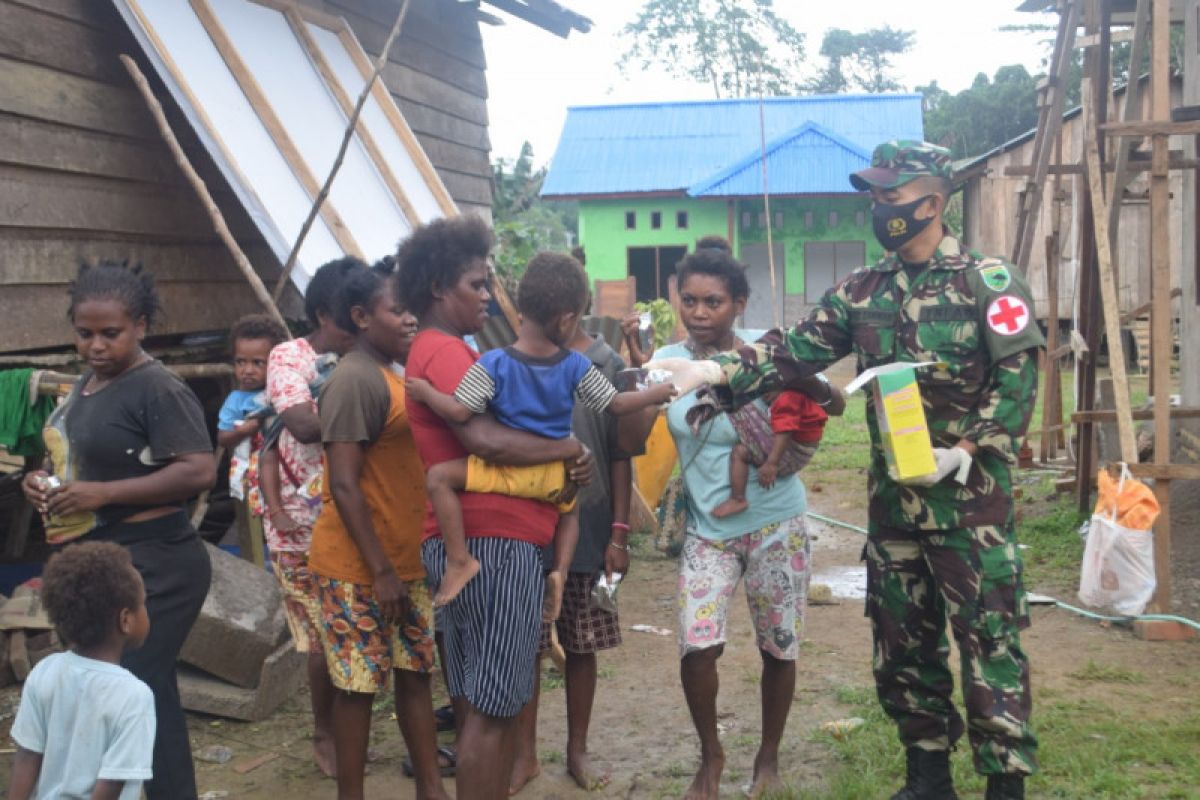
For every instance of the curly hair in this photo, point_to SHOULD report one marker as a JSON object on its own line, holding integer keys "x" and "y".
{"x": 86, "y": 587}
{"x": 434, "y": 256}
{"x": 553, "y": 284}
{"x": 257, "y": 326}
{"x": 116, "y": 280}
{"x": 714, "y": 242}
{"x": 323, "y": 288}
{"x": 359, "y": 289}
{"x": 717, "y": 263}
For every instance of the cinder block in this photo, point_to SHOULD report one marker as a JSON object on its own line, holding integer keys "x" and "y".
{"x": 241, "y": 623}
{"x": 282, "y": 675}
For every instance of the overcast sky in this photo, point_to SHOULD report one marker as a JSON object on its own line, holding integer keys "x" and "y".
{"x": 533, "y": 76}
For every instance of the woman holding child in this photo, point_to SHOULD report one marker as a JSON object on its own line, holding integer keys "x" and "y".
{"x": 126, "y": 450}
{"x": 766, "y": 544}
{"x": 491, "y": 630}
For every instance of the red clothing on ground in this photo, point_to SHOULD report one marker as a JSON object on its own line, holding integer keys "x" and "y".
{"x": 442, "y": 360}
{"x": 798, "y": 414}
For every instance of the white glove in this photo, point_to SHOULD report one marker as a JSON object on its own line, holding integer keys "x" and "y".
{"x": 950, "y": 461}
{"x": 687, "y": 374}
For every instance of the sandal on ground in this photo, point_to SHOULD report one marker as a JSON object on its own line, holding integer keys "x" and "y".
{"x": 447, "y": 763}
{"x": 444, "y": 717}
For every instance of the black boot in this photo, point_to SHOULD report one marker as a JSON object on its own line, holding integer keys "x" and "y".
{"x": 1005, "y": 787}
{"x": 928, "y": 776}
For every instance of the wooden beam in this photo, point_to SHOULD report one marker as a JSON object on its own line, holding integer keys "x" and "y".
{"x": 1131, "y": 113}
{"x": 300, "y": 28}
{"x": 1145, "y": 308}
{"x": 1166, "y": 473}
{"x": 1161, "y": 340}
{"x": 392, "y": 112}
{"x": 1109, "y": 415}
{"x": 270, "y": 120}
{"x": 1108, "y": 283}
{"x": 1153, "y": 127}
{"x": 1135, "y": 165}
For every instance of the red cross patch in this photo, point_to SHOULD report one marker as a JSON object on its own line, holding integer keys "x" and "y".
{"x": 1008, "y": 315}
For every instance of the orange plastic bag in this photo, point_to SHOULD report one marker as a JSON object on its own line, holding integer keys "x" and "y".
{"x": 1127, "y": 501}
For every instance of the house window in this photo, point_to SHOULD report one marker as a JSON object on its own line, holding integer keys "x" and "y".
{"x": 630, "y": 220}
{"x": 655, "y": 220}
{"x": 833, "y": 219}
{"x": 808, "y": 220}
{"x": 778, "y": 219}
{"x": 681, "y": 219}
{"x": 860, "y": 218}
{"x": 747, "y": 220}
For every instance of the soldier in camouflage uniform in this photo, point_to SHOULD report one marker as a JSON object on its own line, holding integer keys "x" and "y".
{"x": 945, "y": 548}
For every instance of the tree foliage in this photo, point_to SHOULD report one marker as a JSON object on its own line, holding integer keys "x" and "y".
{"x": 860, "y": 61}
{"x": 524, "y": 223}
{"x": 737, "y": 47}
{"x": 987, "y": 114}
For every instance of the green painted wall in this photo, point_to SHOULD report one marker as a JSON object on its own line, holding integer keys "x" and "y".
{"x": 795, "y": 233}
{"x": 603, "y": 234}
{"x": 605, "y": 239}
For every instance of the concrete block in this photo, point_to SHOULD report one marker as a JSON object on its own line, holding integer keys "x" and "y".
{"x": 241, "y": 623}
{"x": 1150, "y": 630}
{"x": 281, "y": 676}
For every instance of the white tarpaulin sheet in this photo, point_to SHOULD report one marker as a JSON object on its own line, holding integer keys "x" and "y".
{"x": 269, "y": 105}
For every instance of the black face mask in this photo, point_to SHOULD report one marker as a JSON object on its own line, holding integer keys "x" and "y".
{"x": 895, "y": 224}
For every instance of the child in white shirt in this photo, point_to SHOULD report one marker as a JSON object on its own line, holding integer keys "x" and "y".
{"x": 85, "y": 726}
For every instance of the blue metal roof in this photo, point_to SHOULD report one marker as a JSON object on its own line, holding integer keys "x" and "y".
{"x": 808, "y": 160}
{"x": 668, "y": 147}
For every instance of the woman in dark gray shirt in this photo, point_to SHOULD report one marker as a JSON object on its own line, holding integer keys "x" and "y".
{"x": 126, "y": 451}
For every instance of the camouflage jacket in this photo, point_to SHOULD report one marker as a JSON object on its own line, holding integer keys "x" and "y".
{"x": 976, "y": 315}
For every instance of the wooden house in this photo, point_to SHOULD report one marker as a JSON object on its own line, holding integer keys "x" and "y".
{"x": 991, "y": 185}
{"x": 84, "y": 173}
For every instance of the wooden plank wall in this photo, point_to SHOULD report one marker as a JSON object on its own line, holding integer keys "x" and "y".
{"x": 991, "y": 205}
{"x": 84, "y": 175}
{"x": 436, "y": 73}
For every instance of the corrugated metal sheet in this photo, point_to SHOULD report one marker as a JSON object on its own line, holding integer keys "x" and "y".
{"x": 658, "y": 147}
{"x": 809, "y": 160}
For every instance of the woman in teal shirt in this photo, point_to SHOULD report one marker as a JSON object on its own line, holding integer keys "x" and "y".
{"x": 767, "y": 546}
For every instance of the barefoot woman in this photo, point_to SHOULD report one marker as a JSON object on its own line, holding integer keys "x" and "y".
{"x": 767, "y": 545}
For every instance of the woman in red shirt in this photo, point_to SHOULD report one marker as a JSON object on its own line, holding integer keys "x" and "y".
{"x": 491, "y": 631}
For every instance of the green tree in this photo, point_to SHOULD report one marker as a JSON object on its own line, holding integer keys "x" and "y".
{"x": 738, "y": 47}
{"x": 987, "y": 114}
{"x": 524, "y": 223}
{"x": 860, "y": 61}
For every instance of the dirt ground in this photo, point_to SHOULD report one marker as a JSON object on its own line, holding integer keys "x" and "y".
{"x": 641, "y": 729}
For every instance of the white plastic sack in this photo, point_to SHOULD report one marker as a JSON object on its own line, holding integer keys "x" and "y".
{"x": 1118, "y": 567}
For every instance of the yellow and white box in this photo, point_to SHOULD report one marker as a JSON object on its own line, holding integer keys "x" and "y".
{"x": 900, "y": 412}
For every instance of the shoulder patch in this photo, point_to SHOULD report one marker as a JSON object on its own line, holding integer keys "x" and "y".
{"x": 995, "y": 276}
{"x": 1008, "y": 315}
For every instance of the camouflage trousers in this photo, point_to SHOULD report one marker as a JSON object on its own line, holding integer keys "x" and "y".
{"x": 915, "y": 581}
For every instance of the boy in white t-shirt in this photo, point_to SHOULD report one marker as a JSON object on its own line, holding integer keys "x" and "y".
{"x": 85, "y": 727}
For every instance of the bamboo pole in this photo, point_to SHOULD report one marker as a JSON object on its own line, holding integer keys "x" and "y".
{"x": 210, "y": 205}
{"x": 351, "y": 126}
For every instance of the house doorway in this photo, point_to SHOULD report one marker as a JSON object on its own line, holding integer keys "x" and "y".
{"x": 654, "y": 269}
{"x": 759, "y": 312}
{"x": 827, "y": 263}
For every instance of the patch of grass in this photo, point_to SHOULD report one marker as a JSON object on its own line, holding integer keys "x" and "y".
{"x": 1105, "y": 673}
{"x": 605, "y": 672}
{"x": 846, "y": 443}
{"x": 1080, "y": 740}
{"x": 552, "y": 679}
{"x": 1049, "y": 526}
{"x": 551, "y": 757}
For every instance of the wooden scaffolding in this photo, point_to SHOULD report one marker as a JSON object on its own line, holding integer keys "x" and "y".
{"x": 1111, "y": 158}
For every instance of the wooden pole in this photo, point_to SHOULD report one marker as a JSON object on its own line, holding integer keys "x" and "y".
{"x": 351, "y": 126}
{"x": 776, "y": 300}
{"x": 1108, "y": 283}
{"x": 1160, "y": 292}
{"x": 210, "y": 205}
